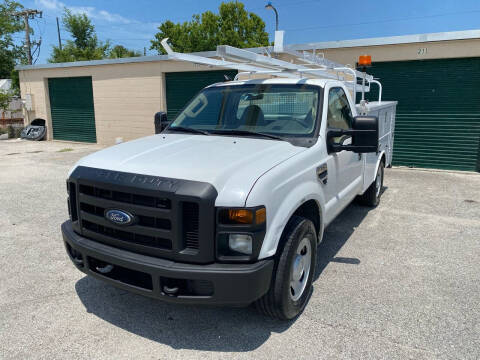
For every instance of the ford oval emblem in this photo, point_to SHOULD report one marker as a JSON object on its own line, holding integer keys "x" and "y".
{"x": 119, "y": 217}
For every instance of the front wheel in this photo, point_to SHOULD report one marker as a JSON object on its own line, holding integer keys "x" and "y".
{"x": 293, "y": 272}
{"x": 371, "y": 197}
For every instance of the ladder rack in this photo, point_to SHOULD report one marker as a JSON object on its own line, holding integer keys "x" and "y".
{"x": 300, "y": 65}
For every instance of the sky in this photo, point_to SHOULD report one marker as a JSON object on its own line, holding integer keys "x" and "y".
{"x": 134, "y": 23}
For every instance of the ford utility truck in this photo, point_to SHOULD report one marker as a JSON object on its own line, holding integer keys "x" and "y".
{"x": 228, "y": 203}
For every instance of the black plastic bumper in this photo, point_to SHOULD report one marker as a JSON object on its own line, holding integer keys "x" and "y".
{"x": 218, "y": 284}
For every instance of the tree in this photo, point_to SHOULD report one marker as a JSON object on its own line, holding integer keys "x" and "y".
{"x": 11, "y": 53}
{"x": 85, "y": 44}
{"x": 233, "y": 25}
{"x": 120, "y": 51}
{"x": 9, "y": 25}
{"x": 5, "y": 98}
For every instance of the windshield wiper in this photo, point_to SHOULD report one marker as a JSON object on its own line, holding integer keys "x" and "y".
{"x": 187, "y": 129}
{"x": 246, "y": 132}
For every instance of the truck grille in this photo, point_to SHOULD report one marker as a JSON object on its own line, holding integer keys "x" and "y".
{"x": 190, "y": 227}
{"x": 165, "y": 225}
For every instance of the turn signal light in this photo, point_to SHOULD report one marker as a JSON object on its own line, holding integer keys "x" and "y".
{"x": 243, "y": 216}
{"x": 260, "y": 216}
{"x": 240, "y": 216}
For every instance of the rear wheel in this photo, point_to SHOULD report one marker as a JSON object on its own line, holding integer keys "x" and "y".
{"x": 293, "y": 272}
{"x": 371, "y": 197}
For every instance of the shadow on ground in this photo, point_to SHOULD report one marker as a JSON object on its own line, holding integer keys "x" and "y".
{"x": 336, "y": 235}
{"x": 206, "y": 328}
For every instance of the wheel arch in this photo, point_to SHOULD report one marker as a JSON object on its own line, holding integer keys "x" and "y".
{"x": 382, "y": 157}
{"x": 311, "y": 211}
{"x": 311, "y": 206}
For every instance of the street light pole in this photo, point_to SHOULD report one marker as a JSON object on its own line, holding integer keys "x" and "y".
{"x": 270, "y": 6}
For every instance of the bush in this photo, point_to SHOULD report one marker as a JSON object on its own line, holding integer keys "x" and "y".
{"x": 18, "y": 132}
{"x": 5, "y": 98}
{"x": 2, "y": 131}
{"x": 11, "y": 132}
{"x": 14, "y": 132}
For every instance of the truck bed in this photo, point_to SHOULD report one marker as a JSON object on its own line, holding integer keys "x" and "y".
{"x": 385, "y": 111}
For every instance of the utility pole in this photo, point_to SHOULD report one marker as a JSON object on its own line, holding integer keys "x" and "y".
{"x": 59, "y": 38}
{"x": 28, "y": 14}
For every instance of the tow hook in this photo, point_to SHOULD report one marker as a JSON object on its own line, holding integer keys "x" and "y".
{"x": 170, "y": 291}
{"x": 77, "y": 258}
{"x": 105, "y": 269}
{"x": 77, "y": 261}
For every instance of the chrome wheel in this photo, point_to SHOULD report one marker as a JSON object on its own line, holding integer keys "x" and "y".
{"x": 300, "y": 271}
{"x": 378, "y": 181}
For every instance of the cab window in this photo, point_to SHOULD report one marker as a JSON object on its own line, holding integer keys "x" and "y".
{"x": 339, "y": 112}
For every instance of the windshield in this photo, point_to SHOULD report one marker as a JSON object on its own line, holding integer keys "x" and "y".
{"x": 278, "y": 110}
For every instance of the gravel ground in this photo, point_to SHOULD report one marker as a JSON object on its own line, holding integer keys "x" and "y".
{"x": 400, "y": 281}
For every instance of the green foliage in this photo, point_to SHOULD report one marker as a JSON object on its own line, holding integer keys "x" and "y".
{"x": 11, "y": 132}
{"x": 81, "y": 28}
{"x": 15, "y": 83}
{"x": 120, "y": 51}
{"x": 70, "y": 53}
{"x": 233, "y": 25}
{"x": 14, "y": 132}
{"x": 85, "y": 44}
{"x": 10, "y": 52}
{"x": 5, "y": 98}
{"x": 18, "y": 131}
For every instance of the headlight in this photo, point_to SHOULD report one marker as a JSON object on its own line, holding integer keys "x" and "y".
{"x": 241, "y": 243}
{"x": 240, "y": 233}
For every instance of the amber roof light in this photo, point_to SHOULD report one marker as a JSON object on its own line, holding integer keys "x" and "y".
{"x": 365, "y": 60}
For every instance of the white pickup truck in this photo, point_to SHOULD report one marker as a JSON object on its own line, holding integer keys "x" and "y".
{"x": 228, "y": 203}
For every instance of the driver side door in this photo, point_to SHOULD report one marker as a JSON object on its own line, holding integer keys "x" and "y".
{"x": 347, "y": 164}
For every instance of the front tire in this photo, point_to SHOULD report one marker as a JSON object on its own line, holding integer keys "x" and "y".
{"x": 293, "y": 273}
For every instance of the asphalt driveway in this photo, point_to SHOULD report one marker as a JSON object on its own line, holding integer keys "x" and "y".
{"x": 399, "y": 281}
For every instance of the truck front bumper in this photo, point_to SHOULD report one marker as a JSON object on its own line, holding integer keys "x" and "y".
{"x": 218, "y": 284}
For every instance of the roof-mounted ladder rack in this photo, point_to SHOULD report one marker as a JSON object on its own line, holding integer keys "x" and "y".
{"x": 301, "y": 65}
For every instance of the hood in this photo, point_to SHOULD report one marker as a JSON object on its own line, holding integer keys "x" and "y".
{"x": 230, "y": 164}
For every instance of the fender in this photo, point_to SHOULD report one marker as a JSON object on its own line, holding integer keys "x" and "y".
{"x": 289, "y": 204}
{"x": 382, "y": 153}
{"x": 372, "y": 163}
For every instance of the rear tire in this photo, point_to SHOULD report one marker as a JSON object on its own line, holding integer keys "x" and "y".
{"x": 293, "y": 272}
{"x": 371, "y": 197}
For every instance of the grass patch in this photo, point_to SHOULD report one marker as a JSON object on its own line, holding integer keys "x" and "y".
{"x": 65, "y": 150}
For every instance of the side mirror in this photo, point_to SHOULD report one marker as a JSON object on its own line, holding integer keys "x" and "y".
{"x": 364, "y": 135}
{"x": 161, "y": 121}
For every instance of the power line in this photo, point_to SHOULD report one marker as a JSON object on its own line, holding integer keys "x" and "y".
{"x": 281, "y": 6}
{"x": 383, "y": 21}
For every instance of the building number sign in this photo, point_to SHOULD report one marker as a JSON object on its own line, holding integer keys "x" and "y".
{"x": 422, "y": 51}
